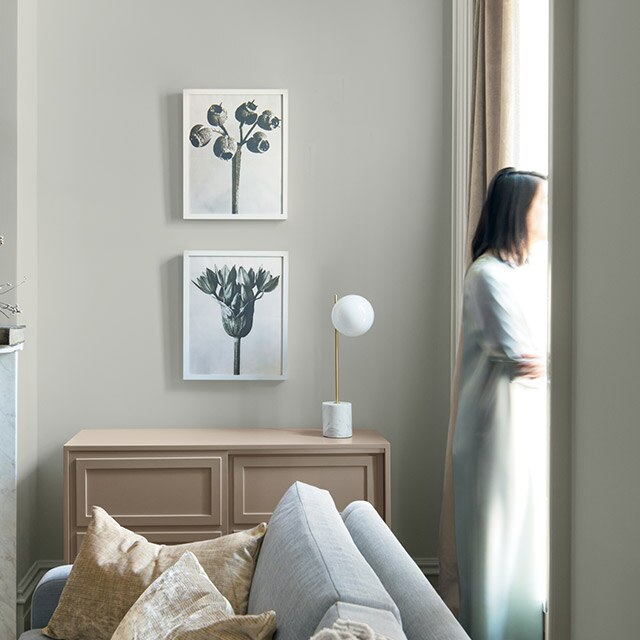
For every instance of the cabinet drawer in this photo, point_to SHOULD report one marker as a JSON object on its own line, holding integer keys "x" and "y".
{"x": 151, "y": 490}
{"x": 260, "y": 481}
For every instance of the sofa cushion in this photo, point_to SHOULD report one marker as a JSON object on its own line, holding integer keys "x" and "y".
{"x": 424, "y": 615}
{"x": 115, "y": 565}
{"x": 308, "y": 562}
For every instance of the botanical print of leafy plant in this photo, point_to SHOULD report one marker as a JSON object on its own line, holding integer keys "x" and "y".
{"x": 237, "y": 291}
{"x": 227, "y": 148}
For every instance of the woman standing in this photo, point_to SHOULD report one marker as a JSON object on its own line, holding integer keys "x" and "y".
{"x": 499, "y": 443}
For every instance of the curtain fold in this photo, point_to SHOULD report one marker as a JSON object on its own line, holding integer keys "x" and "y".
{"x": 492, "y": 147}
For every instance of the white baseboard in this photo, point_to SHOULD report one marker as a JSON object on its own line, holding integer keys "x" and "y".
{"x": 29, "y": 581}
{"x": 430, "y": 566}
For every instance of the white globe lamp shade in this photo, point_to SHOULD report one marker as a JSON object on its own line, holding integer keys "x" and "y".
{"x": 352, "y": 315}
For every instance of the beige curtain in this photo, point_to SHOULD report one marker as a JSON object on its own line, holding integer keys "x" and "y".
{"x": 493, "y": 106}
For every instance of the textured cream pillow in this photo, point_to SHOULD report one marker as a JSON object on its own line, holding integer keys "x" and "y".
{"x": 115, "y": 565}
{"x": 348, "y": 630}
{"x": 183, "y": 604}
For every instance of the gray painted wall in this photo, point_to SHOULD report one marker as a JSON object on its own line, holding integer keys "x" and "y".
{"x": 8, "y": 144}
{"x": 369, "y": 213}
{"x": 11, "y": 270}
{"x": 110, "y": 199}
{"x": 27, "y": 261}
{"x": 606, "y": 568}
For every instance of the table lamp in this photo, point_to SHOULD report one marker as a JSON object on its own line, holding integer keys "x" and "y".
{"x": 351, "y": 316}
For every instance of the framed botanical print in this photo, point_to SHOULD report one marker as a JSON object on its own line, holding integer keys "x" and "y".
{"x": 235, "y": 154}
{"x": 235, "y": 315}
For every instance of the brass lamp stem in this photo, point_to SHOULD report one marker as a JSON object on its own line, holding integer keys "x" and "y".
{"x": 335, "y": 300}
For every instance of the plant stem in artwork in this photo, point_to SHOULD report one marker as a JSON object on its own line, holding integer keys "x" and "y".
{"x": 236, "y": 356}
{"x": 235, "y": 179}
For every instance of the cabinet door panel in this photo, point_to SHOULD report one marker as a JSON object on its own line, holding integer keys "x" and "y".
{"x": 259, "y": 481}
{"x": 158, "y": 490}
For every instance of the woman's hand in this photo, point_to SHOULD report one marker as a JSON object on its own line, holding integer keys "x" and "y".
{"x": 531, "y": 366}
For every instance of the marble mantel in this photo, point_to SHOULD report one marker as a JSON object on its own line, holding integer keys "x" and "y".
{"x": 8, "y": 401}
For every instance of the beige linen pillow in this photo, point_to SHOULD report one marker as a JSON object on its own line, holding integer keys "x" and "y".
{"x": 183, "y": 604}
{"x": 115, "y": 565}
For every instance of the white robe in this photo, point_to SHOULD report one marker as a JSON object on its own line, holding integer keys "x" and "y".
{"x": 499, "y": 454}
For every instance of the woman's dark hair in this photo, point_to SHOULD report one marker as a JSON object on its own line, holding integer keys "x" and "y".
{"x": 502, "y": 227}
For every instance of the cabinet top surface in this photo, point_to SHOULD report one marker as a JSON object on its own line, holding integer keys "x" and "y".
{"x": 222, "y": 439}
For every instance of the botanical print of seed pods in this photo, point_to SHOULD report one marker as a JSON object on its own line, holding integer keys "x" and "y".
{"x": 235, "y": 154}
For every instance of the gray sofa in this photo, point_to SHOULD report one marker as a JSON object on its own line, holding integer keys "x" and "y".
{"x": 317, "y": 565}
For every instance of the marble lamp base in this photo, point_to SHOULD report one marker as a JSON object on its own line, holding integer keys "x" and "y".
{"x": 336, "y": 420}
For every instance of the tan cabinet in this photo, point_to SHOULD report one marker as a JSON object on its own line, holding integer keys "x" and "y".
{"x": 181, "y": 485}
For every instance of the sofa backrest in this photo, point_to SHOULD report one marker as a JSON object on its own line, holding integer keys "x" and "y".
{"x": 424, "y": 615}
{"x": 308, "y": 563}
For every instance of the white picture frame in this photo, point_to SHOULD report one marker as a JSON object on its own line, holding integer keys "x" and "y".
{"x": 215, "y": 345}
{"x": 233, "y": 169}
